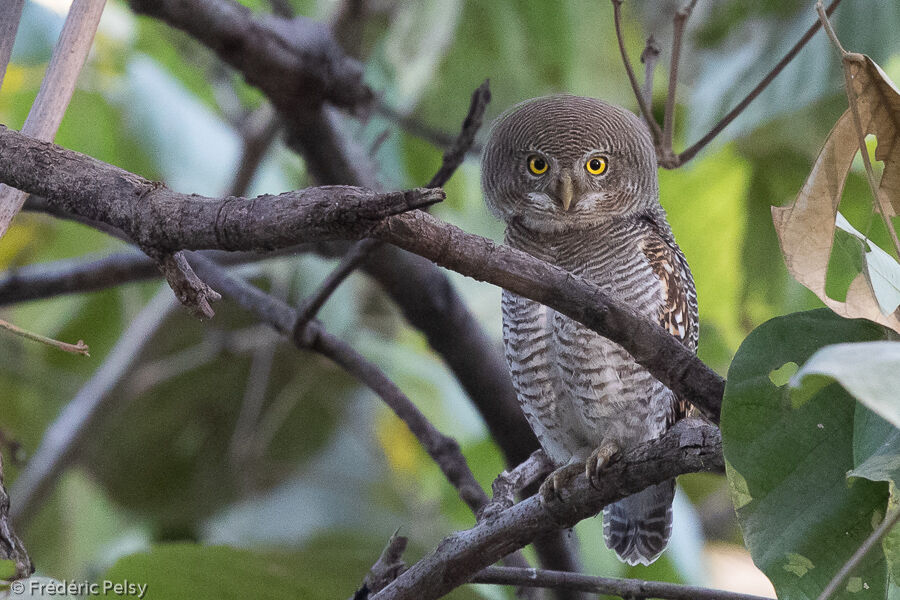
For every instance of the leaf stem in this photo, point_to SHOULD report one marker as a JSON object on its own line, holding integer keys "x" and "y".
{"x": 79, "y": 348}
{"x": 848, "y": 59}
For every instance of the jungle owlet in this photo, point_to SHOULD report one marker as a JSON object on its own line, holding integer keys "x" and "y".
{"x": 575, "y": 181}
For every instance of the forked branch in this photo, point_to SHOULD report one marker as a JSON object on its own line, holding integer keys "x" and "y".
{"x": 662, "y": 138}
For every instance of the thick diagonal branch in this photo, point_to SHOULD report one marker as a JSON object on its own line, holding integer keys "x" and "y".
{"x": 160, "y": 219}
{"x": 166, "y": 220}
{"x": 571, "y": 295}
{"x": 690, "y": 446}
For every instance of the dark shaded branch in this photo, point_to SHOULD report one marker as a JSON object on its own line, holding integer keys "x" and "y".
{"x": 73, "y": 276}
{"x": 295, "y": 62}
{"x": 455, "y": 155}
{"x": 624, "y": 588}
{"x": 423, "y": 293}
{"x": 354, "y": 257}
{"x": 164, "y": 218}
{"x": 689, "y": 446}
{"x": 359, "y": 252}
{"x": 386, "y": 569}
{"x": 159, "y": 219}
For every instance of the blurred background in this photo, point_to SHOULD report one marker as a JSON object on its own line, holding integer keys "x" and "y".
{"x": 222, "y": 433}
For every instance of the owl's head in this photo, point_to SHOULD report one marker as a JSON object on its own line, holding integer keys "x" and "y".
{"x": 562, "y": 162}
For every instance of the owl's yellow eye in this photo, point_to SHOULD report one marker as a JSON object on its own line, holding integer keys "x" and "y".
{"x": 537, "y": 165}
{"x": 596, "y": 165}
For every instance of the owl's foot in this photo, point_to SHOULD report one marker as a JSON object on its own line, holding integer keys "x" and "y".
{"x": 557, "y": 480}
{"x": 598, "y": 460}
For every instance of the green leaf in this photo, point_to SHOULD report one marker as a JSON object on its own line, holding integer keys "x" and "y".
{"x": 787, "y": 461}
{"x": 869, "y": 371}
{"x": 876, "y": 447}
{"x": 7, "y": 569}
{"x": 882, "y": 269}
{"x": 876, "y": 454}
{"x": 213, "y": 573}
{"x": 331, "y": 566}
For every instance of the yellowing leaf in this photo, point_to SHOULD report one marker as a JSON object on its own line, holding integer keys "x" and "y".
{"x": 806, "y": 228}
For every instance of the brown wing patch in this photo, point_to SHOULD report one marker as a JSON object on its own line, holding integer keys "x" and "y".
{"x": 678, "y": 311}
{"x": 677, "y": 290}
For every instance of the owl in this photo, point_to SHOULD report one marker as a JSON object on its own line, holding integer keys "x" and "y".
{"x": 574, "y": 179}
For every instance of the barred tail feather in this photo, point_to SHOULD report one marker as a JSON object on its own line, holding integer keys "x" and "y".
{"x": 638, "y": 527}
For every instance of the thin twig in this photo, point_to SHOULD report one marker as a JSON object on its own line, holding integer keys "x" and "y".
{"x": 692, "y": 151}
{"x": 882, "y": 530}
{"x": 361, "y": 250}
{"x": 624, "y": 588}
{"x": 848, "y": 58}
{"x": 79, "y": 348}
{"x": 430, "y": 134}
{"x": 645, "y": 109}
{"x": 649, "y": 58}
{"x": 679, "y": 22}
{"x": 354, "y": 257}
{"x": 257, "y": 134}
{"x": 823, "y": 19}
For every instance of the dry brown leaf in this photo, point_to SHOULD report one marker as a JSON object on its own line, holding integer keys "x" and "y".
{"x": 806, "y": 228}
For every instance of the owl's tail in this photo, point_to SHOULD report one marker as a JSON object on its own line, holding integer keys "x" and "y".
{"x": 638, "y": 527}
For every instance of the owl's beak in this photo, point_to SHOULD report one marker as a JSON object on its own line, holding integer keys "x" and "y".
{"x": 565, "y": 192}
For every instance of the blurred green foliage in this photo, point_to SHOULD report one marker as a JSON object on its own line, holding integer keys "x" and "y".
{"x": 321, "y": 471}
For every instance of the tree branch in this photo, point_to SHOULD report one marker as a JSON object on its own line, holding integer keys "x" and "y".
{"x": 652, "y": 347}
{"x": 164, "y": 219}
{"x": 11, "y": 547}
{"x": 57, "y": 87}
{"x": 689, "y": 446}
{"x": 635, "y": 87}
{"x": 295, "y": 62}
{"x": 72, "y": 276}
{"x": 423, "y": 293}
{"x": 10, "y": 15}
{"x": 443, "y": 449}
{"x": 159, "y": 219}
{"x": 624, "y": 588}
{"x": 679, "y": 22}
{"x": 692, "y": 151}
{"x": 360, "y": 251}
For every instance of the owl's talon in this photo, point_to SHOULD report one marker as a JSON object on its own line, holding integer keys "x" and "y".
{"x": 597, "y": 461}
{"x": 550, "y": 490}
